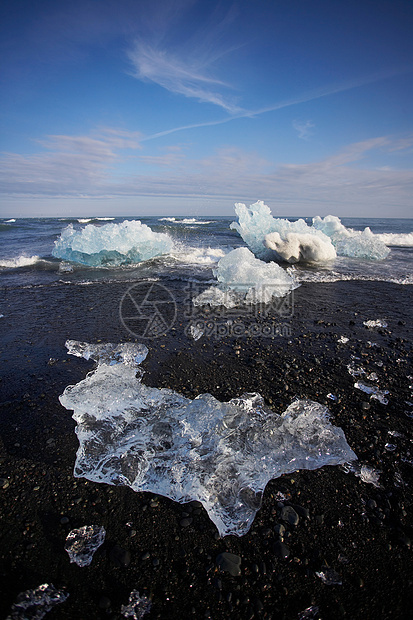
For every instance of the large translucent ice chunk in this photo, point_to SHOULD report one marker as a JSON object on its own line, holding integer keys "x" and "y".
{"x": 272, "y": 238}
{"x": 111, "y": 244}
{"x": 35, "y": 604}
{"x": 219, "y": 453}
{"x": 244, "y": 279}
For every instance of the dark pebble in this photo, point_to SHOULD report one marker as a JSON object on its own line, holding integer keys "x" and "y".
{"x": 281, "y": 550}
{"x": 289, "y": 515}
{"x": 104, "y": 602}
{"x": 185, "y": 522}
{"x": 119, "y": 557}
{"x": 230, "y": 563}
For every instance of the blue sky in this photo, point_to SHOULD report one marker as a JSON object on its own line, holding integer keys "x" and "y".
{"x": 132, "y": 107}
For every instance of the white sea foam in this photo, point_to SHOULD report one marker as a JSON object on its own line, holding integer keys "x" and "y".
{"x": 397, "y": 239}
{"x": 18, "y": 261}
{"x": 9, "y": 221}
{"x": 198, "y": 256}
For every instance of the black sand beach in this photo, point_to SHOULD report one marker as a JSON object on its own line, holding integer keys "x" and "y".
{"x": 168, "y": 551}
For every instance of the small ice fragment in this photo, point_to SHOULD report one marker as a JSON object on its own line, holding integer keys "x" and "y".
{"x": 82, "y": 543}
{"x": 372, "y": 377}
{"x": 369, "y": 475}
{"x": 65, "y": 267}
{"x": 34, "y": 604}
{"x": 330, "y": 577}
{"x": 355, "y": 372}
{"x": 332, "y": 397}
{"x": 390, "y": 447}
{"x": 343, "y": 339}
{"x": 309, "y": 614}
{"x": 138, "y": 606}
{"x": 373, "y": 391}
{"x": 1, "y": 316}
{"x": 196, "y": 332}
{"x": 375, "y": 323}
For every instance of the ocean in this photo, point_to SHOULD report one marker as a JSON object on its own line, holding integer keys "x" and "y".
{"x": 198, "y": 243}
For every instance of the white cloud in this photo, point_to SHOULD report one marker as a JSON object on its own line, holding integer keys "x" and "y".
{"x": 303, "y": 128}
{"x": 94, "y": 166}
{"x": 188, "y": 77}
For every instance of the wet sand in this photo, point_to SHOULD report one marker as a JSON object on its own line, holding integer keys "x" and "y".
{"x": 168, "y": 551}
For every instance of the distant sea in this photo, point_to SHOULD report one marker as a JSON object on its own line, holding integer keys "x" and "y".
{"x": 26, "y": 258}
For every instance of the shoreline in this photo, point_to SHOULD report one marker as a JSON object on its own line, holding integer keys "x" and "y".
{"x": 360, "y": 531}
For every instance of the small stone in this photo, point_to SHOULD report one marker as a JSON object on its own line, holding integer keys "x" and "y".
{"x": 4, "y": 483}
{"x": 371, "y": 504}
{"x": 64, "y": 520}
{"x": 281, "y": 550}
{"x": 279, "y": 529}
{"x": 289, "y": 515}
{"x": 229, "y": 562}
{"x": 185, "y": 522}
{"x": 104, "y": 602}
{"x": 119, "y": 557}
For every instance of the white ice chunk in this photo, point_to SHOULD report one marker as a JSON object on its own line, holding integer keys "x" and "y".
{"x": 82, "y": 543}
{"x": 296, "y": 241}
{"x": 375, "y": 323}
{"x": 126, "y": 243}
{"x": 220, "y": 453}
{"x": 298, "y": 247}
{"x": 343, "y": 340}
{"x": 374, "y": 392}
{"x": 138, "y": 606}
{"x": 35, "y": 604}
{"x": 349, "y": 242}
{"x": 248, "y": 281}
{"x": 196, "y": 332}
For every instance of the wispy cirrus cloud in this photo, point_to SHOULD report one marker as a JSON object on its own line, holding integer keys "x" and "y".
{"x": 191, "y": 77}
{"x": 303, "y": 129}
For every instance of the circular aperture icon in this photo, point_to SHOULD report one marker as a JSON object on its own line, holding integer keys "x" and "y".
{"x": 147, "y": 310}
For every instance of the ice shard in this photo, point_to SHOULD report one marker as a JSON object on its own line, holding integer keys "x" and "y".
{"x": 220, "y": 453}
{"x": 35, "y": 604}
{"x": 82, "y": 543}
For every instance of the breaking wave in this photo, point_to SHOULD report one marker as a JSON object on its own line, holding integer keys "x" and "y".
{"x": 18, "y": 261}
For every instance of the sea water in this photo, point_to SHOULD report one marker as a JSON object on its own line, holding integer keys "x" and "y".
{"x": 196, "y": 245}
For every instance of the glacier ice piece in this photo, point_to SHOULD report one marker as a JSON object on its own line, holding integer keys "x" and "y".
{"x": 219, "y": 453}
{"x": 245, "y": 279}
{"x": 375, "y": 323}
{"x": 301, "y": 247}
{"x": 330, "y": 577}
{"x": 35, "y": 604}
{"x": 272, "y": 238}
{"x": 137, "y": 607}
{"x": 112, "y": 244}
{"x": 196, "y": 332}
{"x": 374, "y": 392}
{"x": 82, "y": 543}
{"x": 349, "y": 242}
